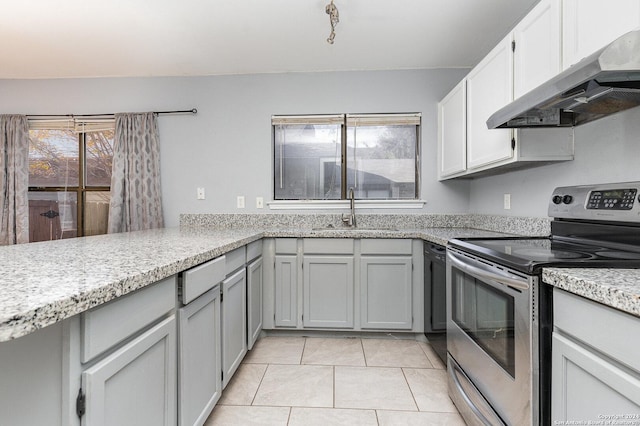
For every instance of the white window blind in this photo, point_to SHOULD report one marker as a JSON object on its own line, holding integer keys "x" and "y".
{"x": 354, "y": 120}
{"x": 76, "y": 124}
{"x": 307, "y": 119}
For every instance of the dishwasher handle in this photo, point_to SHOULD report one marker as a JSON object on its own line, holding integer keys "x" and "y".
{"x": 485, "y": 272}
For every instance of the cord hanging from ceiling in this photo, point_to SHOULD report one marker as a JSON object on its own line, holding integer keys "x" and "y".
{"x": 334, "y": 18}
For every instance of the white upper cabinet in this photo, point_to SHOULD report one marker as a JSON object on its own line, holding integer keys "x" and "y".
{"x": 537, "y": 44}
{"x": 588, "y": 25}
{"x": 452, "y": 118}
{"x": 489, "y": 88}
{"x": 526, "y": 58}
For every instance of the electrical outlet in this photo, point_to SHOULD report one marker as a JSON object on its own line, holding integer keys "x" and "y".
{"x": 259, "y": 202}
{"x": 507, "y": 201}
{"x": 240, "y": 202}
{"x": 200, "y": 194}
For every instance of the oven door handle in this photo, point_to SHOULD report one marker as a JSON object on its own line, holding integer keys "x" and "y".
{"x": 486, "y": 273}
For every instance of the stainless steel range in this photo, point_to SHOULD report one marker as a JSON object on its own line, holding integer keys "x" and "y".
{"x": 499, "y": 318}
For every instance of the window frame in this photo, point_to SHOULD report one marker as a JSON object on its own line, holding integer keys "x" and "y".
{"x": 405, "y": 203}
{"x": 81, "y": 189}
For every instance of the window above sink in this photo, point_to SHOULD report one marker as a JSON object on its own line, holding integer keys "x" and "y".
{"x": 317, "y": 158}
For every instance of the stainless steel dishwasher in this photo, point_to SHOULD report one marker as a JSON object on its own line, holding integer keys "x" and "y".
{"x": 435, "y": 298}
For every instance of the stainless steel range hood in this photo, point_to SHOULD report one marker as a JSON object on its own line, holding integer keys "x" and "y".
{"x": 601, "y": 84}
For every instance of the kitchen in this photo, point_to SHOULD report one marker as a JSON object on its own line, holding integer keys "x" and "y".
{"x": 237, "y": 109}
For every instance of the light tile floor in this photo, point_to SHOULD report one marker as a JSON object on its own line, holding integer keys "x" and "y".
{"x": 307, "y": 381}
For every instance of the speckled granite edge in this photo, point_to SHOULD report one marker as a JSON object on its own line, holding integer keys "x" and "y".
{"x": 302, "y": 221}
{"x": 28, "y": 304}
{"x": 39, "y": 294}
{"x": 617, "y": 288}
{"x": 495, "y": 223}
{"x": 434, "y": 235}
{"x": 62, "y": 302}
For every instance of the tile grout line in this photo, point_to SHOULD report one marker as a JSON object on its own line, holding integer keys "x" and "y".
{"x": 289, "y": 416}
{"x": 334, "y": 386}
{"x": 259, "y": 384}
{"x": 304, "y": 346}
{"x": 423, "y": 348}
{"x": 364, "y": 353}
{"x": 410, "y": 390}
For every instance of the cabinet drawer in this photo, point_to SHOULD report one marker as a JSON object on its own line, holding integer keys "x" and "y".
{"x": 286, "y": 245}
{"x": 328, "y": 246}
{"x": 608, "y": 330}
{"x": 254, "y": 250}
{"x": 198, "y": 280}
{"x": 385, "y": 246}
{"x": 235, "y": 259}
{"x": 109, "y": 324}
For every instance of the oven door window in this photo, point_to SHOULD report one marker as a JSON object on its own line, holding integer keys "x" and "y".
{"x": 486, "y": 315}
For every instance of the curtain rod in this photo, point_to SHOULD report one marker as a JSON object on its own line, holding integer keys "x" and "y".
{"x": 187, "y": 111}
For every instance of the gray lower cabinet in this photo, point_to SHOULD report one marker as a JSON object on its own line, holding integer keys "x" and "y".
{"x": 31, "y": 384}
{"x": 234, "y": 323}
{"x": 254, "y": 301}
{"x": 199, "y": 358}
{"x": 386, "y": 292}
{"x": 595, "y": 363}
{"x": 286, "y": 290}
{"x": 369, "y": 284}
{"x": 328, "y": 291}
{"x": 136, "y": 384}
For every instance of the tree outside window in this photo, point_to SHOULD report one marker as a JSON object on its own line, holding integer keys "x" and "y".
{"x": 69, "y": 182}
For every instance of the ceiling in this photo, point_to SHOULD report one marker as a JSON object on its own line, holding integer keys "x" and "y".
{"x": 118, "y": 38}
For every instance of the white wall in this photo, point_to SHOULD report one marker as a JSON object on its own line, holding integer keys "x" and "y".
{"x": 226, "y": 147}
{"x": 606, "y": 150}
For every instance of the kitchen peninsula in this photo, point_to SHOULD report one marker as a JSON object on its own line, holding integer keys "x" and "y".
{"x": 47, "y": 287}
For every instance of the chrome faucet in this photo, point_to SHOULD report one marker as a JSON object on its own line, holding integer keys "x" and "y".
{"x": 350, "y": 220}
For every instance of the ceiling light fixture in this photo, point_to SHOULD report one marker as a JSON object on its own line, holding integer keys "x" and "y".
{"x": 334, "y": 18}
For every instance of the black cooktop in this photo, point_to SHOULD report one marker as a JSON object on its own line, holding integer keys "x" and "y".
{"x": 593, "y": 226}
{"x": 530, "y": 255}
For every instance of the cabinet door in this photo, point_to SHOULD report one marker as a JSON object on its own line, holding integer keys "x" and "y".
{"x": 537, "y": 47}
{"x": 328, "y": 291}
{"x": 254, "y": 301}
{"x": 234, "y": 323}
{"x": 286, "y": 287}
{"x": 199, "y": 358}
{"x": 452, "y": 132}
{"x": 586, "y": 387}
{"x": 489, "y": 88}
{"x": 386, "y": 292}
{"x": 588, "y": 25}
{"x": 136, "y": 385}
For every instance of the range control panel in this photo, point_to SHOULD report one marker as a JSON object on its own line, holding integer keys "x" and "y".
{"x": 612, "y": 199}
{"x": 609, "y": 202}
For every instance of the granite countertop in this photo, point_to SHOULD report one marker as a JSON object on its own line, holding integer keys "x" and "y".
{"x": 617, "y": 288}
{"x": 43, "y": 283}
{"x": 435, "y": 235}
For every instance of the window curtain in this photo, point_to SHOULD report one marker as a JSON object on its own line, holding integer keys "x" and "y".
{"x": 135, "y": 183}
{"x": 14, "y": 179}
